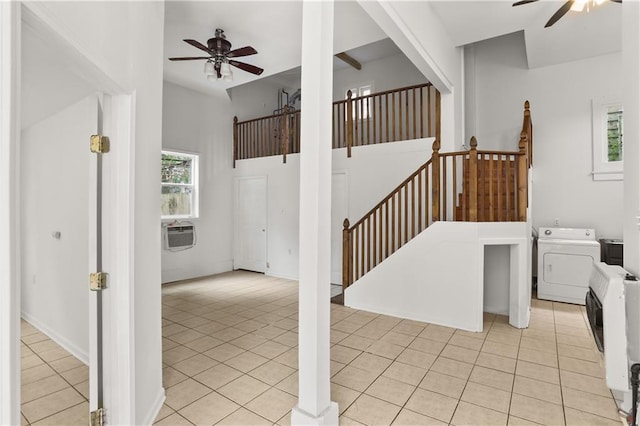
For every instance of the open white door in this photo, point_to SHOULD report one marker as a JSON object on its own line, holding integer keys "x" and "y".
{"x": 339, "y": 212}
{"x": 251, "y": 224}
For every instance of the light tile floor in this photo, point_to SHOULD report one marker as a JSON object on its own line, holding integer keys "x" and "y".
{"x": 230, "y": 358}
{"x": 55, "y": 385}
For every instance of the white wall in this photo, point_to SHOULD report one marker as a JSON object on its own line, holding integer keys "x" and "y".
{"x": 560, "y": 99}
{"x": 438, "y": 276}
{"x": 120, "y": 41}
{"x": 372, "y": 173}
{"x": 55, "y": 175}
{"x": 418, "y": 32}
{"x": 196, "y": 123}
{"x": 387, "y": 73}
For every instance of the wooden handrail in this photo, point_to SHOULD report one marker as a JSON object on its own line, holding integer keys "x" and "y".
{"x": 388, "y": 116}
{"x": 494, "y": 188}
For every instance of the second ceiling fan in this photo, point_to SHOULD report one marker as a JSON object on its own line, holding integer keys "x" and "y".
{"x": 564, "y": 8}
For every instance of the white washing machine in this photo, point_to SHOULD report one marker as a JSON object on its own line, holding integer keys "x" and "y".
{"x": 565, "y": 260}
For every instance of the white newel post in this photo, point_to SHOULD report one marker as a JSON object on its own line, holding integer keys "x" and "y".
{"x": 314, "y": 401}
{"x": 9, "y": 244}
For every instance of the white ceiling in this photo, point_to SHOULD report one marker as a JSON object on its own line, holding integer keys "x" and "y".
{"x": 577, "y": 35}
{"x": 273, "y": 28}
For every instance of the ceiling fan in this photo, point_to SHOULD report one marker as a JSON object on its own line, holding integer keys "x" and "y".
{"x": 571, "y": 4}
{"x": 220, "y": 54}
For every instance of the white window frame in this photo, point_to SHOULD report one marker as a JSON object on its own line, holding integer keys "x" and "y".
{"x": 357, "y": 92}
{"x": 603, "y": 169}
{"x": 194, "y": 185}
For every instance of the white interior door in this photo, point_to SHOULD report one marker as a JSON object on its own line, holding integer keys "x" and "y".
{"x": 251, "y": 224}
{"x": 339, "y": 211}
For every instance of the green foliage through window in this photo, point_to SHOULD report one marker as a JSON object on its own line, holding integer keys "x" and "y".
{"x": 614, "y": 134}
{"x": 179, "y": 185}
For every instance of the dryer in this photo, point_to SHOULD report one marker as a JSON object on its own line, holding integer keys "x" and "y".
{"x": 565, "y": 260}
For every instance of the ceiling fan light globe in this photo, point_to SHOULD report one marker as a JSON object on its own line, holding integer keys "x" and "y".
{"x": 208, "y": 68}
{"x": 578, "y": 5}
{"x": 225, "y": 69}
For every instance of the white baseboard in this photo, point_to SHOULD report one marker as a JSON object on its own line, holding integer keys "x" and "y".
{"x": 187, "y": 273}
{"x": 278, "y": 275}
{"x": 155, "y": 408}
{"x": 66, "y": 344}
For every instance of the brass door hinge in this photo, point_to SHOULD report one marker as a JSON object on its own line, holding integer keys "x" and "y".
{"x": 97, "y": 417}
{"x": 99, "y": 144}
{"x": 98, "y": 281}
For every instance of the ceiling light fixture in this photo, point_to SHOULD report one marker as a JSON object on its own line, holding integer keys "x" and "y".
{"x": 579, "y": 5}
{"x": 225, "y": 72}
{"x": 209, "y": 69}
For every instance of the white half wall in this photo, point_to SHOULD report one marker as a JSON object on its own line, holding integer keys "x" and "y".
{"x": 196, "y": 123}
{"x": 437, "y": 277}
{"x": 560, "y": 97}
{"x": 372, "y": 172}
{"x": 55, "y": 199}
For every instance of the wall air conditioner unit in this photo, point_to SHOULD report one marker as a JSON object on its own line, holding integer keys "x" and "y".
{"x": 179, "y": 236}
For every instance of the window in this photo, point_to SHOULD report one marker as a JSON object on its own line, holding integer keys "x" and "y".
{"x": 608, "y": 146}
{"x": 179, "y": 197}
{"x": 356, "y": 92}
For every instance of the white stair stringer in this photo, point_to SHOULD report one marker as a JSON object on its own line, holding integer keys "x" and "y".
{"x": 437, "y": 277}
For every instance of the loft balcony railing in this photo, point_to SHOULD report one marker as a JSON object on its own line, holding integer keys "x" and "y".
{"x": 391, "y": 116}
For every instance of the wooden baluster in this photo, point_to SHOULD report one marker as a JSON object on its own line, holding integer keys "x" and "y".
{"x": 522, "y": 178}
{"x": 373, "y": 113}
{"x": 380, "y": 234}
{"x": 346, "y": 254}
{"x": 420, "y": 228}
{"x": 386, "y": 111}
{"x": 374, "y": 241}
{"x": 406, "y": 115}
{"x": 349, "y": 123}
{"x": 430, "y": 132}
{"x": 406, "y": 213}
{"x": 362, "y": 249}
{"x": 413, "y": 207}
{"x": 333, "y": 127}
{"x": 393, "y": 118}
{"x": 235, "y": 140}
{"x": 435, "y": 181}
{"x": 426, "y": 196}
{"x": 508, "y": 188}
{"x": 399, "y": 138}
{"x": 422, "y": 111}
{"x": 368, "y": 245}
{"x": 454, "y": 173}
{"x": 465, "y": 189}
{"x": 286, "y": 129}
{"x": 387, "y": 240}
{"x": 473, "y": 180}
{"x": 393, "y": 223}
{"x": 492, "y": 217}
{"x": 500, "y": 190}
{"x": 380, "y": 119}
{"x": 413, "y": 101}
{"x": 368, "y": 119}
{"x": 438, "y": 115}
{"x": 444, "y": 188}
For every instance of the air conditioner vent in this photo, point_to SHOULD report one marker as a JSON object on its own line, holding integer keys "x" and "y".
{"x": 179, "y": 236}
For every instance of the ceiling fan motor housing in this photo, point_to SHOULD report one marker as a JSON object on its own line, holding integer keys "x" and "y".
{"x": 219, "y": 44}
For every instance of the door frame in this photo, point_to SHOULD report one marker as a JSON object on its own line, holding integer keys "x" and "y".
{"x": 119, "y": 121}
{"x": 236, "y": 230}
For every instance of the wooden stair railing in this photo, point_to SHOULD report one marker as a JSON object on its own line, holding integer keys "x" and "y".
{"x": 391, "y": 116}
{"x": 472, "y": 186}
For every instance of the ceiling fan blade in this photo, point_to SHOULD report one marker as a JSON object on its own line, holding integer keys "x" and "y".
{"x": 199, "y": 45}
{"x": 246, "y": 67}
{"x": 243, "y": 51}
{"x": 189, "y": 58}
{"x": 521, "y": 2}
{"x": 559, "y": 13}
{"x": 616, "y": 1}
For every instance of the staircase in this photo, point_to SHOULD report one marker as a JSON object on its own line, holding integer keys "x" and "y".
{"x": 462, "y": 186}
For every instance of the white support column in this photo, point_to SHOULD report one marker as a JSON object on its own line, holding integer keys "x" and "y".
{"x": 631, "y": 104}
{"x": 9, "y": 244}
{"x": 314, "y": 395}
